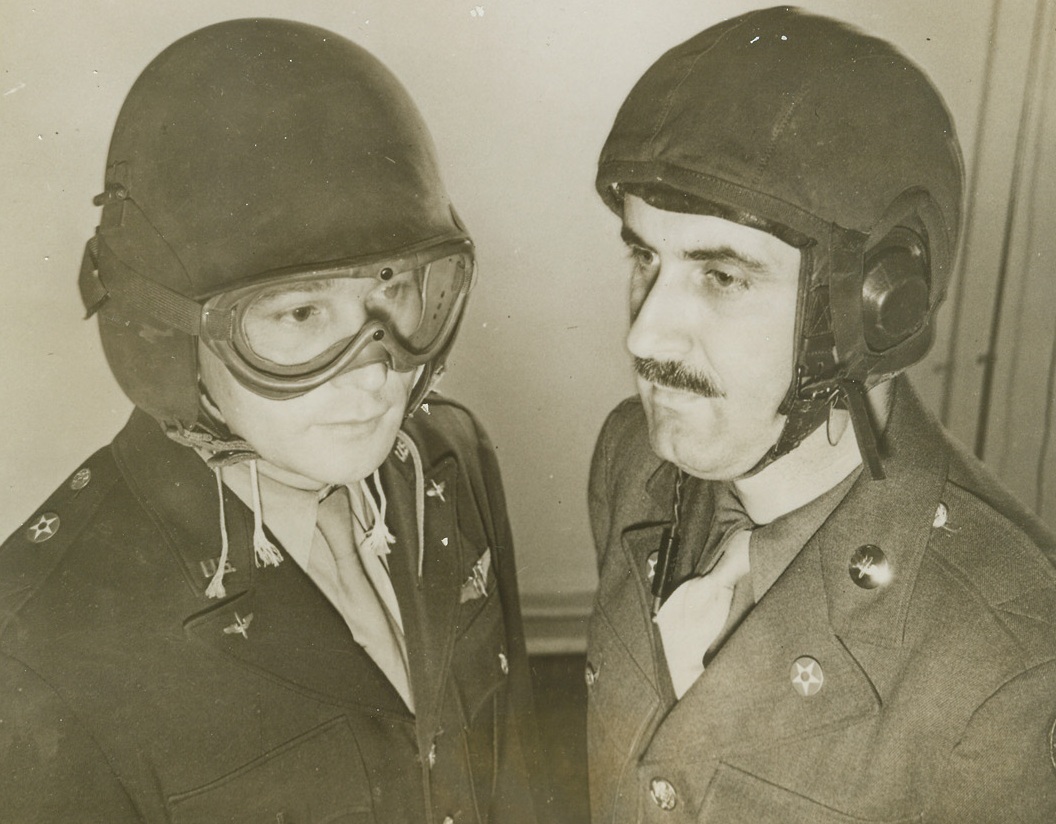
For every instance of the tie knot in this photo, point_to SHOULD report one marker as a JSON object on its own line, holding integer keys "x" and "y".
{"x": 334, "y": 519}
{"x": 734, "y": 562}
{"x": 729, "y": 514}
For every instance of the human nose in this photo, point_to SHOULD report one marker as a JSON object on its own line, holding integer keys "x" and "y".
{"x": 368, "y": 378}
{"x": 660, "y": 327}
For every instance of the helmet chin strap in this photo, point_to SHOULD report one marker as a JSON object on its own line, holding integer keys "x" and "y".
{"x": 820, "y": 382}
{"x": 808, "y": 414}
{"x": 854, "y": 396}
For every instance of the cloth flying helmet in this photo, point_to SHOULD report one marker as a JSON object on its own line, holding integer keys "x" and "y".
{"x": 834, "y": 142}
{"x": 271, "y": 190}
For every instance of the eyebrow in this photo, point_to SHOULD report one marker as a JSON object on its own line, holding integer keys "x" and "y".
{"x": 720, "y": 254}
{"x": 295, "y": 288}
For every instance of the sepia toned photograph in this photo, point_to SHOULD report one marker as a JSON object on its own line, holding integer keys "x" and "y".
{"x": 528, "y": 413}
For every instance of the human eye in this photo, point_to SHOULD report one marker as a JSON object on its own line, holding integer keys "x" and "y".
{"x": 390, "y": 295}
{"x": 641, "y": 258}
{"x": 398, "y": 301}
{"x": 724, "y": 279}
{"x": 295, "y": 311}
{"x": 645, "y": 266}
{"x": 299, "y": 307}
{"x": 298, "y": 314}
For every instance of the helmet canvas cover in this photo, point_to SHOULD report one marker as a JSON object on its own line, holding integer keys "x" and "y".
{"x": 254, "y": 151}
{"x": 806, "y": 124}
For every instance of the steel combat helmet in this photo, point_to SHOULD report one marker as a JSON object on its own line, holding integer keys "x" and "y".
{"x": 831, "y": 140}
{"x": 263, "y": 177}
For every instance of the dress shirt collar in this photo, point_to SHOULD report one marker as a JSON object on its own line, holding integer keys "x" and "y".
{"x": 790, "y": 500}
{"x": 775, "y": 545}
{"x": 795, "y": 480}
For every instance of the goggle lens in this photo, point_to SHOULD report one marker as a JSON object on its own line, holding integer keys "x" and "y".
{"x": 309, "y": 321}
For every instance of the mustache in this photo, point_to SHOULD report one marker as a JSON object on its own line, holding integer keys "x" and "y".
{"x": 675, "y": 375}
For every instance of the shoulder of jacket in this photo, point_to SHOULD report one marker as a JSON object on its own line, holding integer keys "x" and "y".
{"x": 32, "y": 551}
{"x": 442, "y": 424}
{"x": 1005, "y": 567}
{"x": 624, "y": 440}
{"x": 627, "y": 414}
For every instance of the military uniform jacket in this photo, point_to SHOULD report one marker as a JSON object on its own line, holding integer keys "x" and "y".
{"x": 128, "y": 695}
{"x": 929, "y": 699}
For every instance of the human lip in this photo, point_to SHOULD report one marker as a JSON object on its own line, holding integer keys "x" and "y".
{"x": 367, "y": 424}
{"x": 670, "y": 396}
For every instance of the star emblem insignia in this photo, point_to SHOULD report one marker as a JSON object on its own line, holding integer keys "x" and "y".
{"x": 807, "y": 676}
{"x": 44, "y": 527}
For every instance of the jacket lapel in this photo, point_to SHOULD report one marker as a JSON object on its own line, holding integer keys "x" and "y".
{"x": 429, "y": 604}
{"x": 752, "y": 675}
{"x": 284, "y": 626}
{"x": 274, "y": 619}
{"x": 897, "y": 516}
{"x": 817, "y": 611}
{"x": 627, "y": 598}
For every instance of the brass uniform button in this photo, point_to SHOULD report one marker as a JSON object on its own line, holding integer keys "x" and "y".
{"x": 80, "y": 479}
{"x": 869, "y": 567}
{"x": 663, "y": 794}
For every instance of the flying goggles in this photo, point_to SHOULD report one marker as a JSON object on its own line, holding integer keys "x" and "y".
{"x": 289, "y": 332}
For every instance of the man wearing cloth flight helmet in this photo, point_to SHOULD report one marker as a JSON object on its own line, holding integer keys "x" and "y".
{"x": 812, "y": 605}
{"x": 275, "y": 596}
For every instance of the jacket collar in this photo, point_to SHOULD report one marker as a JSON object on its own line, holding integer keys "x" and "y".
{"x": 426, "y": 603}
{"x": 260, "y": 623}
{"x": 815, "y": 610}
{"x": 896, "y": 515}
{"x": 751, "y": 677}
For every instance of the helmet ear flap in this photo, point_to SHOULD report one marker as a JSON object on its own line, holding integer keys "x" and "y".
{"x": 896, "y": 284}
{"x": 905, "y": 262}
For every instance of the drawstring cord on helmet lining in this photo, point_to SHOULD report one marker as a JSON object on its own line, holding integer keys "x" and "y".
{"x": 378, "y": 538}
{"x": 216, "y": 585}
{"x": 419, "y": 495}
{"x": 265, "y": 553}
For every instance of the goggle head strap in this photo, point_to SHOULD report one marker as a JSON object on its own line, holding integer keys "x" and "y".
{"x": 215, "y": 326}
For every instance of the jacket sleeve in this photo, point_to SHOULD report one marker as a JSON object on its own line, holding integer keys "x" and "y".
{"x": 1004, "y": 766}
{"x": 52, "y": 769}
{"x": 521, "y": 791}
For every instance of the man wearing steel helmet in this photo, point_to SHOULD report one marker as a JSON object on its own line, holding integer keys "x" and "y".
{"x": 276, "y": 596}
{"x": 812, "y": 605}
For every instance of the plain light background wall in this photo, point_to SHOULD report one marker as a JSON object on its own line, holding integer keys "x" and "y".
{"x": 519, "y": 97}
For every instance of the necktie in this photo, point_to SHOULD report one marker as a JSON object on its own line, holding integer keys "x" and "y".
{"x": 695, "y": 614}
{"x": 361, "y": 605}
